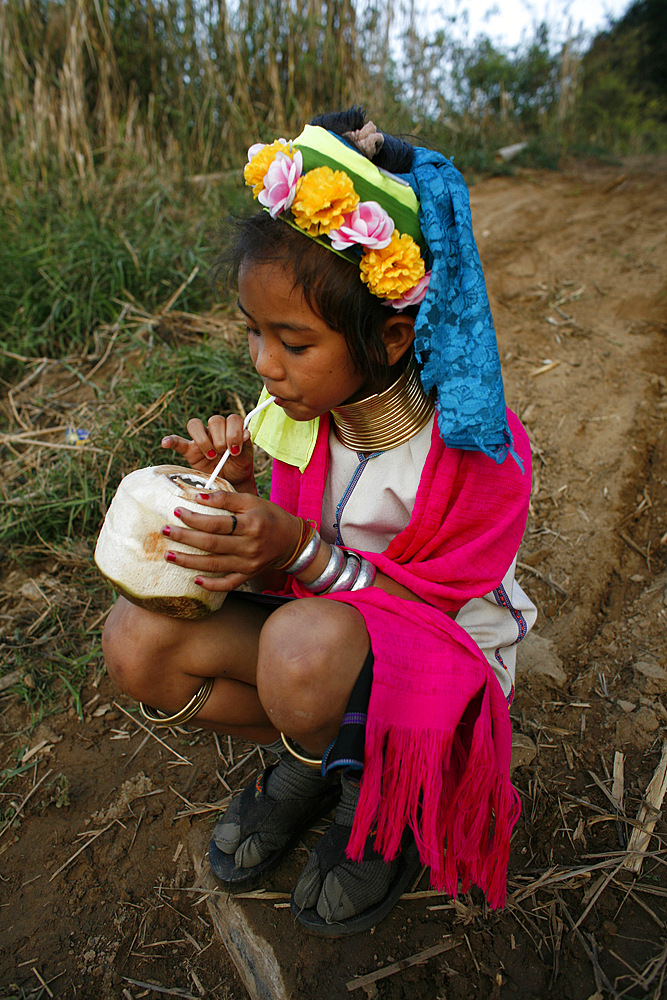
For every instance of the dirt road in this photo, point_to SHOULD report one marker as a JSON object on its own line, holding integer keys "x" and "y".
{"x": 576, "y": 265}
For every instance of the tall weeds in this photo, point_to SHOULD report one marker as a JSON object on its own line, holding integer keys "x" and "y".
{"x": 86, "y": 83}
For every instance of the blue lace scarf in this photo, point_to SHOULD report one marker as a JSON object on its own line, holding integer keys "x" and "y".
{"x": 455, "y": 340}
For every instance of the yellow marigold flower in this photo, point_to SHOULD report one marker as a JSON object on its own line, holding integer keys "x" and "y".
{"x": 392, "y": 271}
{"x": 324, "y": 196}
{"x": 255, "y": 171}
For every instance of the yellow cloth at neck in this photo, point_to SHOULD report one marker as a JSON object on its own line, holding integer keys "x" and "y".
{"x": 290, "y": 441}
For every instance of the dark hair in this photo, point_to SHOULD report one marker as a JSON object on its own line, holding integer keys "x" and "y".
{"x": 331, "y": 284}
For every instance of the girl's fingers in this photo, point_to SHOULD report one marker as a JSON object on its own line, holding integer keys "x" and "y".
{"x": 227, "y": 433}
{"x": 176, "y": 443}
{"x": 220, "y": 500}
{"x": 206, "y": 541}
{"x": 207, "y": 562}
{"x": 201, "y": 438}
{"x": 221, "y": 583}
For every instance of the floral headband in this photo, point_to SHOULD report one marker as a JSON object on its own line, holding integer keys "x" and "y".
{"x": 301, "y": 182}
{"x": 394, "y": 227}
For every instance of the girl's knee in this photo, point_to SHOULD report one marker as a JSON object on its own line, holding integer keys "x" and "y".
{"x": 299, "y": 681}
{"x": 129, "y": 647}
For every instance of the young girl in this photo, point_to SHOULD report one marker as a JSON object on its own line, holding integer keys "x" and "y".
{"x": 376, "y": 656}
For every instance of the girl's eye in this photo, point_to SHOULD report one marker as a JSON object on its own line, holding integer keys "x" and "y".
{"x": 294, "y": 349}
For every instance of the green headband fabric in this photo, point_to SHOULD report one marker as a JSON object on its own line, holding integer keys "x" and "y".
{"x": 320, "y": 148}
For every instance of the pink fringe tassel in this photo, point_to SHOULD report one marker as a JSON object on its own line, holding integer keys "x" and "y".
{"x": 459, "y": 802}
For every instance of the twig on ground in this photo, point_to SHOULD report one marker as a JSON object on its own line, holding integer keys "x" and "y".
{"x": 260, "y": 894}
{"x": 609, "y": 795}
{"x": 544, "y": 578}
{"x": 50, "y": 992}
{"x": 59, "y": 447}
{"x": 637, "y": 548}
{"x": 242, "y": 761}
{"x": 655, "y": 793}
{"x": 617, "y": 793}
{"x": 94, "y": 836}
{"x": 9, "y": 822}
{"x": 136, "y": 830}
{"x": 138, "y": 750}
{"x": 161, "y": 989}
{"x": 391, "y": 970}
{"x": 216, "y": 739}
{"x": 597, "y": 893}
{"x": 99, "y": 619}
{"x": 115, "y": 329}
{"x": 597, "y": 970}
{"x": 633, "y": 895}
{"x": 545, "y": 368}
{"x": 151, "y": 733}
{"x": 167, "y": 306}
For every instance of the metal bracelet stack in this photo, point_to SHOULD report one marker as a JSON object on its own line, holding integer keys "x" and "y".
{"x": 344, "y": 571}
{"x": 306, "y": 535}
{"x": 329, "y": 574}
{"x": 307, "y": 554}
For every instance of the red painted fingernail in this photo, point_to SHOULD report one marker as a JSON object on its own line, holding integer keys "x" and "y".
{"x": 205, "y": 496}
{"x": 171, "y": 557}
{"x": 166, "y": 530}
{"x": 177, "y": 513}
{"x": 199, "y": 581}
{"x": 234, "y": 449}
{"x": 212, "y": 453}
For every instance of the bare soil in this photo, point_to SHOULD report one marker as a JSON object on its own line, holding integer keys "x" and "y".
{"x": 576, "y": 265}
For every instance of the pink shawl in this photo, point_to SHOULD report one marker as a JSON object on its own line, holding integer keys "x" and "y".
{"x": 438, "y": 735}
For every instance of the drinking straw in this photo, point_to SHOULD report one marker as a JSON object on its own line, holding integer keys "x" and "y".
{"x": 223, "y": 459}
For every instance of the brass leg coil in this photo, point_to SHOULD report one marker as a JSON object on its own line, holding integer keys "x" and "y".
{"x": 310, "y": 761}
{"x": 158, "y": 718}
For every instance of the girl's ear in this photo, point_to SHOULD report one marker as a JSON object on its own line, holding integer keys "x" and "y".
{"x": 398, "y": 335}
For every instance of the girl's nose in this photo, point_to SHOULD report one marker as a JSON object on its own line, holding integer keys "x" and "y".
{"x": 267, "y": 365}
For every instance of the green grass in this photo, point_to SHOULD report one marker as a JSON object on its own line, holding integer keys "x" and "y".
{"x": 202, "y": 379}
{"x": 66, "y": 262}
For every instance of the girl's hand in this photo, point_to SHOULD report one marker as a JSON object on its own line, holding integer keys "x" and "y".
{"x": 262, "y": 535}
{"x": 210, "y": 441}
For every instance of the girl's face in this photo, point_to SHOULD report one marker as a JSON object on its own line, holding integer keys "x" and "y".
{"x": 303, "y": 362}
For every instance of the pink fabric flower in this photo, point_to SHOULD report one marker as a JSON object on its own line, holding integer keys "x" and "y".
{"x": 280, "y": 183}
{"x": 368, "y": 225}
{"x": 412, "y": 297}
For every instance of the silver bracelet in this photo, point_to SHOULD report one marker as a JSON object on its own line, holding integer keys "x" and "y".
{"x": 329, "y": 574}
{"x": 306, "y": 557}
{"x": 348, "y": 577}
{"x": 367, "y": 573}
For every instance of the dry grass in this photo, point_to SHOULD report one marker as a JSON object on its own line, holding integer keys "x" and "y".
{"x": 171, "y": 85}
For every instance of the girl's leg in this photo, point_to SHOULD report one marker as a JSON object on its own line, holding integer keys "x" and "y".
{"x": 289, "y": 670}
{"x": 163, "y": 662}
{"x": 310, "y": 654}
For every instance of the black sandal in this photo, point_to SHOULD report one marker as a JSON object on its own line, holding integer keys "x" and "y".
{"x": 329, "y": 852}
{"x": 257, "y": 811}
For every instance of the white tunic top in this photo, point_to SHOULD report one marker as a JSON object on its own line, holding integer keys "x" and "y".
{"x": 369, "y": 499}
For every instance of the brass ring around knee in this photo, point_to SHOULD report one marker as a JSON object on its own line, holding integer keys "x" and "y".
{"x": 310, "y": 761}
{"x": 158, "y": 718}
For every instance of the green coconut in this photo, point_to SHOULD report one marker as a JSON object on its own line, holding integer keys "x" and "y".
{"x": 131, "y": 548}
